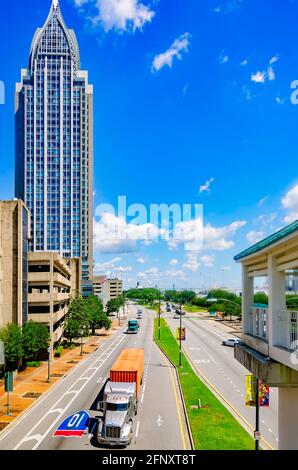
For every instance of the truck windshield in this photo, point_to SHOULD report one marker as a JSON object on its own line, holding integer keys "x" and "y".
{"x": 117, "y": 406}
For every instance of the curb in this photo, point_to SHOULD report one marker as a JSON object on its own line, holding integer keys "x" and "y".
{"x": 204, "y": 379}
{"x": 182, "y": 398}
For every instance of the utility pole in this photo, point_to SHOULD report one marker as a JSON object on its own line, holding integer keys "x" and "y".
{"x": 257, "y": 439}
{"x": 159, "y": 307}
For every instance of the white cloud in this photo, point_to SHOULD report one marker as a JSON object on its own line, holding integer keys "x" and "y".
{"x": 140, "y": 260}
{"x": 223, "y": 58}
{"x": 259, "y": 77}
{"x": 290, "y": 203}
{"x": 197, "y": 238}
{"x": 254, "y": 236}
{"x": 166, "y": 58}
{"x": 280, "y": 100}
{"x": 274, "y": 59}
{"x": 192, "y": 263}
{"x": 118, "y": 15}
{"x": 244, "y": 62}
{"x": 208, "y": 260}
{"x": 271, "y": 74}
{"x": 265, "y": 219}
{"x": 173, "y": 262}
{"x": 110, "y": 266}
{"x": 247, "y": 93}
{"x": 113, "y": 235}
{"x": 206, "y": 186}
{"x": 262, "y": 201}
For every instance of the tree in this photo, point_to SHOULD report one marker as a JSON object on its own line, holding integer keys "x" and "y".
{"x": 97, "y": 318}
{"x": 11, "y": 335}
{"x": 113, "y": 306}
{"x": 77, "y": 323}
{"x": 261, "y": 298}
{"x": 35, "y": 338}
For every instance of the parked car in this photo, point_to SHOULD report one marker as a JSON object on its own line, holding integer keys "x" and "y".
{"x": 230, "y": 342}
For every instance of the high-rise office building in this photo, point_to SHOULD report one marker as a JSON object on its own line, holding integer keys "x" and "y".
{"x": 54, "y": 145}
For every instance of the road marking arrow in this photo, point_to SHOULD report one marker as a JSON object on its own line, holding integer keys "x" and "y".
{"x": 160, "y": 421}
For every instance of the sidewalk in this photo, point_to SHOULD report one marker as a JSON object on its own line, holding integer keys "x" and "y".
{"x": 30, "y": 384}
{"x": 230, "y": 327}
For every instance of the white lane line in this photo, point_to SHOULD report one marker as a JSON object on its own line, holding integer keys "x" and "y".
{"x": 144, "y": 388}
{"x": 99, "y": 380}
{"x": 57, "y": 410}
{"x": 137, "y": 430}
{"x": 42, "y": 399}
{"x": 36, "y": 437}
{"x": 112, "y": 348}
{"x": 142, "y": 399}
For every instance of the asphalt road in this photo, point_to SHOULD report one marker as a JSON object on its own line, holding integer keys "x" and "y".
{"x": 204, "y": 345}
{"x": 159, "y": 424}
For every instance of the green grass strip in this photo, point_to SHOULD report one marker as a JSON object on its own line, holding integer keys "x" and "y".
{"x": 213, "y": 426}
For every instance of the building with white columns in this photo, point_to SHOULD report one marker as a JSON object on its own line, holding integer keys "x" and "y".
{"x": 270, "y": 335}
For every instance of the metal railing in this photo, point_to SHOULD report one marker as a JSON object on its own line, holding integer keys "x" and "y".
{"x": 289, "y": 329}
{"x": 258, "y": 322}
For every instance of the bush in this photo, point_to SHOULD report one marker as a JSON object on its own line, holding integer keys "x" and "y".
{"x": 58, "y": 351}
{"x": 33, "y": 364}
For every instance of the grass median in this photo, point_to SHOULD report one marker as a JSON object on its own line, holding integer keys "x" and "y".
{"x": 213, "y": 427}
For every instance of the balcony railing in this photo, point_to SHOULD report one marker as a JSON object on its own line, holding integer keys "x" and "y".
{"x": 288, "y": 329}
{"x": 258, "y": 322}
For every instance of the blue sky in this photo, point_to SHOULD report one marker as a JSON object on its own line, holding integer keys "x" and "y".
{"x": 188, "y": 95}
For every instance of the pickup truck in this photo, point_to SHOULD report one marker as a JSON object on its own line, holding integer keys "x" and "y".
{"x": 121, "y": 395}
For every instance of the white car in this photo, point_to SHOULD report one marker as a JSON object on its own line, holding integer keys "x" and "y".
{"x": 230, "y": 342}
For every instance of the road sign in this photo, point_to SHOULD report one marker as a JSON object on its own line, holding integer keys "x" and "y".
{"x": 181, "y": 334}
{"x": 2, "y": 354}
{"x": 9, "y": 381}
{"x": 75, "y": 425}
{"x": 257, "y": 435}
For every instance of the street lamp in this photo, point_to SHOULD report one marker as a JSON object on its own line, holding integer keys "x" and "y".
{"x": 49, "y": 366}
{"x": 180, "y": 335}
{"x": 159, "y": 312}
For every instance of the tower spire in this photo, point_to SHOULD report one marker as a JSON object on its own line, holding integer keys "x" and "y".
{"x": 55, "y": 4}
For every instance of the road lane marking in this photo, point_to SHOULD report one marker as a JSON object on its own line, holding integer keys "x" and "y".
{"x": 137, "y": 430}
{"x": 36, "y": 404}
{"x": 178, "y": 408}
{"x": 113, "y": 346}
{"x": 142, "y": 399}
{"x": 211, "y": 385}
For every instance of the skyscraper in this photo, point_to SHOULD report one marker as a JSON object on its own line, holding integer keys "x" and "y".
{"x": 54, "y": 144}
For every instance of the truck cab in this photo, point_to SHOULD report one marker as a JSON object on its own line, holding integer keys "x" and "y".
{"x": 132, "y": 327}
{"x": 119, "y": 408}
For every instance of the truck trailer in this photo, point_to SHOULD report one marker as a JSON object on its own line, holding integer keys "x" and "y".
{"x": 121, "y": 395}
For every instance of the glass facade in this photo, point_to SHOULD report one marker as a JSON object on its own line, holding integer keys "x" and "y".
{"x": 54, "y": 147}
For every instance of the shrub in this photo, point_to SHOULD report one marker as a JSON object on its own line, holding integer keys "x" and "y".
{"x": 33, "y": 364}
{"x": 58, "y": 351}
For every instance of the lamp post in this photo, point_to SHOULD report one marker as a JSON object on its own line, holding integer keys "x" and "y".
{"x": 180, "y": 335}
{"x": 159, "y": 312}
{"x": 49, "y": 366}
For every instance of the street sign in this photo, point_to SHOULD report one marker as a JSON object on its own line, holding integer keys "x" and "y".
{"x": 181, "y": 334}
{"x": 9, "y": 381}
{"x": 75, "y": 425}
{"x": 2, "y": 354}
{"x": 250, "y": 390}
{"x": 257, "y": 435}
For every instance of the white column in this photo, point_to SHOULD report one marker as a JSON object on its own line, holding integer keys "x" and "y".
{"x": 247, "y": 298}
{"x": 288, "y": 418}
{"x": 277, "y": 329}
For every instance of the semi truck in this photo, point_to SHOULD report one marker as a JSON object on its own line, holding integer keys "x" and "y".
{"x": 120, "y": 399}
{"x": 132, "y": 326}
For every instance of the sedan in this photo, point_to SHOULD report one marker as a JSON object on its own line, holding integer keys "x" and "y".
{"x": 230, "y": 342}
